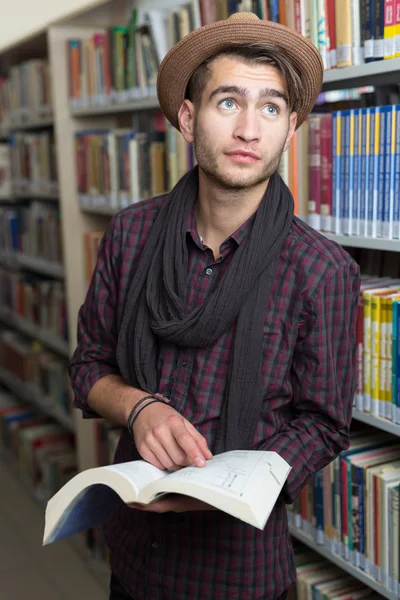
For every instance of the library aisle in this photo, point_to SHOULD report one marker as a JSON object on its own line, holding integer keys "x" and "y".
{"x": 28, "y": 570}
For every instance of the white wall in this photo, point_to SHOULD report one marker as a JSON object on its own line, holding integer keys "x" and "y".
{"x": 20, "y": 18}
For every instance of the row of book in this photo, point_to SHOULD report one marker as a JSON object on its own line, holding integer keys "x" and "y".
{"x": 121, "y": 63}
{"x": 319, "y": 579}
{"x": 33, "y": 163}
{"x": 352, "y": 506}
{"x": 42, "y": 450}
{"x": 378, "y": 348}
{"x": 33, "y": 229}
{"x": 25, "y": 95}
{"x": 118, "y": 167}
{"x": 39, "y": 301}
{"x": 346, "y": 33}
{"x": 35, "y": 366}
{"x": 343, "y": 169}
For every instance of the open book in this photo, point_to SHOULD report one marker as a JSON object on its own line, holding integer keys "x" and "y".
{"x": 242, "y": 483}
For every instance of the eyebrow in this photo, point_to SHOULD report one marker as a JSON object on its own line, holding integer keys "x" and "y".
{"x": 244, "y": 92}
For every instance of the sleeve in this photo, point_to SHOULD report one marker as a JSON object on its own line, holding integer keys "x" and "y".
{"x": 95, "y": 355}
{"x": 323, "y": 380}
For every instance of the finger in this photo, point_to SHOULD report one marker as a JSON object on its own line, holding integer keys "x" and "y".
{"x": 151, "y": 458}
{"x": 187, "y": 442}
{"x": 200, "y": 439}
{"x": 161, "y": 453}
{"x": 164, "y": 436}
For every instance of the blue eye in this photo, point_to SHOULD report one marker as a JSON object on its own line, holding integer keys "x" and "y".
{"x": 270, "y": 109}
{"x": 228, "y": 104}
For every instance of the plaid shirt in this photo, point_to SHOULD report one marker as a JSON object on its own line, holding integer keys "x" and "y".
{"x": 309, "y": 383}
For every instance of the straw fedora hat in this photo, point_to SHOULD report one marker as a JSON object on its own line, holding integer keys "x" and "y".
{"x": 241, "y": 28}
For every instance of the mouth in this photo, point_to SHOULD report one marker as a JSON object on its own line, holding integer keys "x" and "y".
{"x": 243, "y": 157}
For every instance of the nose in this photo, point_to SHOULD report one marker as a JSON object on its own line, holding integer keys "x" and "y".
{"x": 247, "y": 126}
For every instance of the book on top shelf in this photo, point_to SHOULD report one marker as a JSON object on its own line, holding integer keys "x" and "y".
{"x": 244, "y": 484}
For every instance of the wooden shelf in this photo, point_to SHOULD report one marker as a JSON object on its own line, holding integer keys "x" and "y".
{"x": 30, "y": 394}
{"x": 41, "y": 266}
{"x": 17, "y": 260}
{"x": 31, "y": 330}
{"x": 146, "y": 103}
{"x": 31, "y": 124}
{"x": 340, "y": 562}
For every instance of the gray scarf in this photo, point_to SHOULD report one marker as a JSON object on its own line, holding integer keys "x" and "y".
{"x": 156, "y": 305}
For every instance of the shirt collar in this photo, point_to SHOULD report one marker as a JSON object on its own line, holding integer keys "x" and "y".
{"x": 238, "y": 236}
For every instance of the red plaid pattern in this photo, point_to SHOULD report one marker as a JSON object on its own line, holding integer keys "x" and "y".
{"x": 308, "y": 370}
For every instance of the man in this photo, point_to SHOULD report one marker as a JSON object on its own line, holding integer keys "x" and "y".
{"x": 217, "y": 320}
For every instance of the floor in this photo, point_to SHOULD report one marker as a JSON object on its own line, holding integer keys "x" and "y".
{"x": 28, "y": 570}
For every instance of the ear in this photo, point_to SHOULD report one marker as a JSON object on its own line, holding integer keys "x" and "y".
{"x": 186, "y": 120}
{"x": 292, "y": 129}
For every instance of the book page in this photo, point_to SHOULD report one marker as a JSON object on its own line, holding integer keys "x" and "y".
{"x": 139, "y": 473}
{"x": 234, "y": 473}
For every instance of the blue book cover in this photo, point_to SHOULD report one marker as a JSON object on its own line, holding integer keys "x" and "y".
{"x": 369, "y": 196}
{"x": 396, "y": 183}
{"x": 356, "y": 227}
{"x": 363, "y": 170}
{"x": 345, "y": 180}
{"x": 384, "y": 170}
{"x": 336, "y": 170}
{"x": 385, "y": 208}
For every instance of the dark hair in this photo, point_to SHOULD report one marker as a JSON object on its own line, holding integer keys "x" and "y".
{"x": 253, "y": 53}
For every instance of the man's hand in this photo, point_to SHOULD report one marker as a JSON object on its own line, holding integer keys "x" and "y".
{"x": 173, "y": 503}
{"x": 167, "y": 440}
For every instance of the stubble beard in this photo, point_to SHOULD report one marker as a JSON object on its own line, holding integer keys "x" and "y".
{"x": 208, "y": 162}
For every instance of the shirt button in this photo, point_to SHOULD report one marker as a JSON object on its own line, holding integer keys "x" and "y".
{"x": 208, "y": 271}
{"x": 155, "y": 544}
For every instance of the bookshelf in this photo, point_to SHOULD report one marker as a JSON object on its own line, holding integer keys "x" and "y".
{"x": 340, "y": 562}
{"x": 32, "y": 395}
{"x": 146, "y": 103}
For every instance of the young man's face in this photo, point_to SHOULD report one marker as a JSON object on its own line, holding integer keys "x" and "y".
{"x": 242, "y": 124}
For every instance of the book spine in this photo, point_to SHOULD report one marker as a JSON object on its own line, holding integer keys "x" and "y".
{"x": 387, "y": 210}
{"x": 389, "y": 28}
{"x": 397, "y": 29}
{"x": 372, "y": 162}
{"x": 337, "y": 206}
{"x": 345, "y": 181}
{"x": 357, "y": 55}
{"x": 357, "y": 179}
{"x": 397, "y": 391}
{"x": 379, "y": 26}
{"x": 375, "y": 351}
{"x": 363, "y": 171}
{"x": 367, "y": 352}
{"x": 381, "y": 176}
{"x": 359, "y": 562}
{"x": 359, "y": 400}
{"x": 314, "y": 185}
{"x": 326, "y": 172}
{"x": 394, "y": 359}
{"x": 396, "y": 183}
{"x": 353, "y": 135}
{"x": 344, "y": 41}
